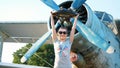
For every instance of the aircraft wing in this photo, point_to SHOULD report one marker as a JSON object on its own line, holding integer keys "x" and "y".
{"x": 27, "y": 32}
{"x": 11, "y": 65}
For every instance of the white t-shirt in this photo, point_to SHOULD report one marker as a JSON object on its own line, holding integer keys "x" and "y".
{"x": 62, "y": 54}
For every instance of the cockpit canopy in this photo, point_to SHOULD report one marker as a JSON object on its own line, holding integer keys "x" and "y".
{"x": 107, "y": 19}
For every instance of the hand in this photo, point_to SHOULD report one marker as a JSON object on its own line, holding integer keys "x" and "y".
{"x": 73, "y": 57}
{"x": 77, "y": 16}
{"x": 51, "y": 13}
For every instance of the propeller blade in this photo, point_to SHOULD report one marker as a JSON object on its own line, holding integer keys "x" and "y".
{"x": 77, "y": 3}
{"x": 51, "y": 4}
{"x": 91, "y": 36}
{"x": 37, "y": 45}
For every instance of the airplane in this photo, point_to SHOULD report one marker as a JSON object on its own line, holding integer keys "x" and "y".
{"x": 96, "y": 43}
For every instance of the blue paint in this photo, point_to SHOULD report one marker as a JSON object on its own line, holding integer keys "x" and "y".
{"x": 91, "y": 36}
{"x": 38, "y": 44}
{"x": 51, "y": 4}
{"x": 77, "y": 3}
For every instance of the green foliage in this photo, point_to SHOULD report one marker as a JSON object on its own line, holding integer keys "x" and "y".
{"x": 117, "y": 21}
{"x": 43, "y": 57}
{"x": 118, "y": 26}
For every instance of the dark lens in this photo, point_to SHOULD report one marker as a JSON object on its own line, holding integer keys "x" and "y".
{"x": 64, "y": 32}
{"x": 60, "y": 32}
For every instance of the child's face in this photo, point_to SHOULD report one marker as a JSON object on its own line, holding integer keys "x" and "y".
{"x": 62, "y": 34}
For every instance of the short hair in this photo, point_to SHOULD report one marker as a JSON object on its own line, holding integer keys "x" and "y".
{"x": 61, "y": 26}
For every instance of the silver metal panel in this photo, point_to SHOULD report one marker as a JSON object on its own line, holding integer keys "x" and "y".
{"x": 23, "y": 32}
{"x": 11, "y": 65}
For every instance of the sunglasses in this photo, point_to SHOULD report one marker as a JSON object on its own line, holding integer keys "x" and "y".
{"x": 62, "y": 32}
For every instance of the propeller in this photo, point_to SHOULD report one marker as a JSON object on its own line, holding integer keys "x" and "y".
{"x": 75, "y": 5}
{"x": 84, "y": 30}
{"x": 37, "y": 45}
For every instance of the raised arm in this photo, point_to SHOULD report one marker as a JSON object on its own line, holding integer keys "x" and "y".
{"x": 73, "y": 29}
{"x": 54, "y": 34}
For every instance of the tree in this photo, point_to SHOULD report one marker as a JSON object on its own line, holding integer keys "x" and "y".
{"x": 118, "y": 26}
{"x": 43, "y": 57}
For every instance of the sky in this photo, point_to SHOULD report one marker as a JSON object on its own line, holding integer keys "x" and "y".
{"x": 7, "y": 54}
{"x": 36, "y": 11}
